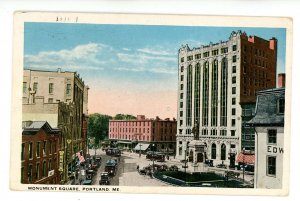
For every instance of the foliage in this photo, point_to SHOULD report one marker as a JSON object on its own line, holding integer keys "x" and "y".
{"x": 124, "y": 117}
{"x": 98, "y": 126}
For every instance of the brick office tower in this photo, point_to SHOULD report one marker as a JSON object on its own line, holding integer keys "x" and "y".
{"x": 40, "y": 153}
{"x": 217, "y": 84}
{"x": 129, "y": 133}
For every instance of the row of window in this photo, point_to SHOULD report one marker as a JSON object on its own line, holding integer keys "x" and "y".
{"x": 206, "y": 54}
{"x": 38, "y": 172}
{"x": 44, "y": 146}
{"x": 139, "y": 123}
{"x": 50, "y": 88}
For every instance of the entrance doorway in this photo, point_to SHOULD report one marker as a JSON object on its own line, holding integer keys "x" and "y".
{"x": 200, "y": 157}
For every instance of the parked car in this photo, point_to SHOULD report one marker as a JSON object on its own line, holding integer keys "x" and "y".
{"x": 87, "y": 182}
{"x": 113, "y": 152}
{"x": 104, "y": 179}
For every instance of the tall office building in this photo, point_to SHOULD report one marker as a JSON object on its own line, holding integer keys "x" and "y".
{"x": 217, "y": 86}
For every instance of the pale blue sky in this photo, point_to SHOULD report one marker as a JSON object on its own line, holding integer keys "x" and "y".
{"x": 125, "y": 57}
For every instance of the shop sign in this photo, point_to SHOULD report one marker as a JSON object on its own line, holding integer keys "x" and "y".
{"x": 61, "y": 161}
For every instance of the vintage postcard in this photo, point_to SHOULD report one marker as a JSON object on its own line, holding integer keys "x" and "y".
{"x": 140, "y": 103}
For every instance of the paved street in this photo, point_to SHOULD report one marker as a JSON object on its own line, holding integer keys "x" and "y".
{"x": 127, "y": 174}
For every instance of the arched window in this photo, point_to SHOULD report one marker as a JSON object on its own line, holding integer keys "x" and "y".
{"x": 213, "y": 151}
{"x": 223, "y": 152}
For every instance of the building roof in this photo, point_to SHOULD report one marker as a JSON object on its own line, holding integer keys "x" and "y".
{"x": 267, "y": 108}
{"x": 32, "y": 127}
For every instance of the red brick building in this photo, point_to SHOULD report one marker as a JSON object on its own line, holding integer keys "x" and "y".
{"x": 129, "y": 133}
{"x": 40, "y": 153}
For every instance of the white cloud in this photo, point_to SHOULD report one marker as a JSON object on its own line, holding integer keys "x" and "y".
{"x": 157, "y": 51}
{"x": 97, "y": 56}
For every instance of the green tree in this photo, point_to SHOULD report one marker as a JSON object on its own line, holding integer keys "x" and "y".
{"x": 124, "y": 117}
{"x": 98, "y": 126}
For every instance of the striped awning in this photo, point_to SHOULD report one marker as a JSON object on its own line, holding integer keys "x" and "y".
{"x": 141, "y": 146}
{"x": 246, "y": 158}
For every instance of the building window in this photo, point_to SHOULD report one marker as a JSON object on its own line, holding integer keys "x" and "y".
{"x": 271, "y": 165}
{"x": 180, "y": 151}
{"x": 232, "y": 122}
{"x": 224, "y": 50}
{"x": 181, "y": 95}
{"x": 205, "y": 94}
{"x": 215, "y": 52}
{"x": 197, "y": 56}
{"x": 49, "y": 165}
{"x": 181, "y": 68}
{"x": 51, "y": 88}
{"x": 182, "y": 59}
{"x": 181, "y": 87}
{"x": 234, "y": 58}
{"x": 44, "y": 147}
{"x": 22, "y": 151}
{"x": 223, "y": 132}
{"x": 223, "y": 95}
{"x": 214, "y": 94}
{"x": 38, "y": 145}
{"x": 37, "y": 171}
{"x": 233, "y": 111}
{"x": 24, "y": 87}
{"x": 233, "y": 80}
{"x": 232, "y": 132}
{"x": 234, "y": 48}
{"x": 197, "y": 96}
{"x": 50, "y": 100}
{"x": 189, "y": 58}
{"x": 189, "y": 87}
{"x": 30, "y": 173}
{"x": 30, "y": 150}
{"x": 281, "y": 103}
{"x": 233, "y": 69}
{"x": 223, "y": 152}
{"x": 181, "y": 113}
{"x": 272, "y": 136}
{"x": 50, "y": 147}
{"x": 233, "y": 90}
{"x": 181, "y": 122}
{"x": 213, "y": 151}
{"x": 233, "y": 101}
{"x": 68, "y": 89}
{"x": 35, "y": 86}
{"x": 181, "y": 78}
{"x": 44, "y": 169}
{"x": 22, "y": 175}
{"x": 206, "y": 54}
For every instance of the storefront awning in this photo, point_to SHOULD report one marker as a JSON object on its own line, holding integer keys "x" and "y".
{"x": 124, "y": 142}
{"x": 141, "y": 146}
{"x": 246, "y": 158}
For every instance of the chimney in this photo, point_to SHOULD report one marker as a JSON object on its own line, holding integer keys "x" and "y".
{"x": 281, "y": 80}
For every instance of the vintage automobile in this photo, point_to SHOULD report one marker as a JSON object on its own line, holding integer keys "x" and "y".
{"x": 104, "y": 179}
{"x": 111, "y": 167}
{"x": 158, "y": 156}
{"x": 113, "y": 152}
{"x": 87, "y": 182}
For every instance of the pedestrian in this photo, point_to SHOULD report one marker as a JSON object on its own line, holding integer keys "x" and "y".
{"x": 137, "y": 167}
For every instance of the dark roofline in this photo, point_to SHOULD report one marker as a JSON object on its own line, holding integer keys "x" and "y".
{"x": 46, "y": 126}
{"x": 274, "y": 90}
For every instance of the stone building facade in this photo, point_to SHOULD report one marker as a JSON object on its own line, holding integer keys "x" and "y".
{"x": 128, "y": 133}
{"x": 217, "y": 84}
{"x": 40, "y": 153}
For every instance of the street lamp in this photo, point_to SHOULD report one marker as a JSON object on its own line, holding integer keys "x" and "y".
{"x": 153, "y": 157}
{"x": 140, "y": 149}
{"x": 243, "y": 164}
